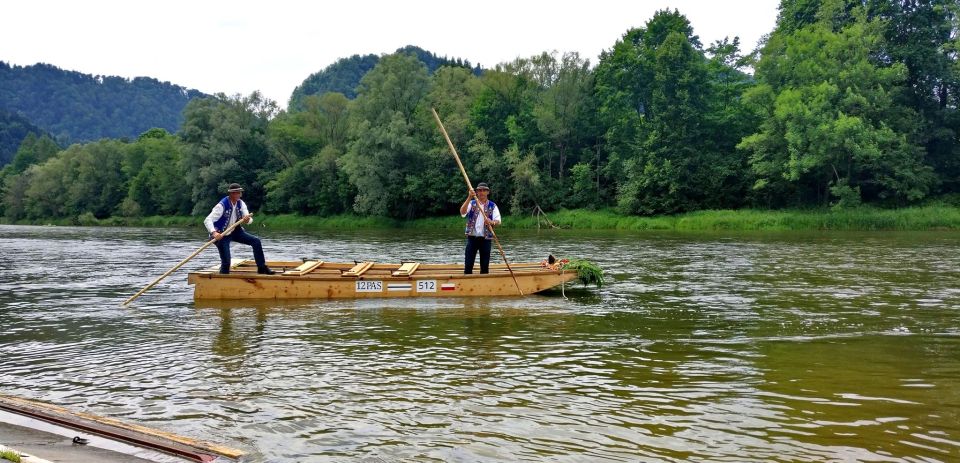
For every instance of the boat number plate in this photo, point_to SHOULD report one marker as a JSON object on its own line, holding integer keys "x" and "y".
{"x": 369, "y": 286}
{"x": 426, "y": 286}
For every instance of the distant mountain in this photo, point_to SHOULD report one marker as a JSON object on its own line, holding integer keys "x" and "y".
{"x": 77, "y": 107}
{"x": 341, "y": 76}
{"x": 13, "y": 129}
{"x": 434, "y": 62}
{"x": 344, "y": 75}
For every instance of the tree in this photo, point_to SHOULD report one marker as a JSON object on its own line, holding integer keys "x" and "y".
{"x": 154, "y": 166}
{"x": 33, "y": 150}
{"x": 671, "y": 121}
{"x": 621, "y": 82}
{"x": 312, "y": 186}
{"x": 503, "y": 108}
{"x": 831, "y": 128}
{"x": 225, "y": 141}
{"x": 452, "y": 93}
{"x": 925, "y": 36}
{"x": 14, "y": 129}
{"x": 81, "y": 179}
{"x": 385, "y": 158}
{"x": 564, "y": 115}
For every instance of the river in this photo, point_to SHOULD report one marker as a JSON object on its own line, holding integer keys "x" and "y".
{"x": 707, "y": 347}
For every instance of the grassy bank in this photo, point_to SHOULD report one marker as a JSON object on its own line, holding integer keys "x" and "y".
{"x": 912, "y": 218}
{"x": 10, "y": 455}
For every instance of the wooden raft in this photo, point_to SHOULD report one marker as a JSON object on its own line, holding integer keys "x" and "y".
{"x": 316, "y": 279}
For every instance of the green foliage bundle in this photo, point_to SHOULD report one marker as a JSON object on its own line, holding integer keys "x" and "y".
{"x": 587, "y": 272}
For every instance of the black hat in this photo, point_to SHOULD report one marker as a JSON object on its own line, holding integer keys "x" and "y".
{"x": 483, "y": 186}
{"x": 234, "y": 187}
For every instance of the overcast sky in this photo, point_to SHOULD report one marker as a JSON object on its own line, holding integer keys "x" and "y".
{"x": 272, "y": 46}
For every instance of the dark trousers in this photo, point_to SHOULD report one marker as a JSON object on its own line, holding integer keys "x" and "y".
{"x": 474, "y": 244}
{"x": 239, "y": 235}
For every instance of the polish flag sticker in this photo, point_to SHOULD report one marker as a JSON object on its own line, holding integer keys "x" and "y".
{"x": 448, "y": 287}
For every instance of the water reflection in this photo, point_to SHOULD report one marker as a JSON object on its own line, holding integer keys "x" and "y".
{"x": 702, "y": 347}
{"x": 235, "y": 345}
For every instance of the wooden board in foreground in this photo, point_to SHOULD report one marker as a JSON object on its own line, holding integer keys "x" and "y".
{"x": 130, "y": 434}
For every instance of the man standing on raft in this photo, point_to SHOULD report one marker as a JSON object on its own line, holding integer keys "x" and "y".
{"x": 479, "y": 237}
{"x": 229, "y": 210}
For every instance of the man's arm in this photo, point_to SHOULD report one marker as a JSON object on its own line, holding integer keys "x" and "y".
{"x": 495, "y": 217}
{"x": 212, "y": 217}
{"x": 465, "y": 207}
{"x": 245, "y": 213}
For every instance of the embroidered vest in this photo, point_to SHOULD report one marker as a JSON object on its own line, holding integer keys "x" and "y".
{"x": 221, "y": 224}
{"x": 472, "y": 218}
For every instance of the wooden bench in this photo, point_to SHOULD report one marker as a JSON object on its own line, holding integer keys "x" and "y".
{"x": 406, "y": 269}
{"x": 358, "y": 269}
{"x": 304, "y": 268}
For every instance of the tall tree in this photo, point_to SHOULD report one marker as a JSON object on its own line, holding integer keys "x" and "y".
{"x": 670, "y": 117}
{"x": 384, "y": 158}
{"x": 155, "y": 169}
{"x": 81, "y": 179}
{"x": 831, "y": 131}
{"x": 924, "y": 35}
{"x": 452, "y": 92}
{"x": 225, "y": 141}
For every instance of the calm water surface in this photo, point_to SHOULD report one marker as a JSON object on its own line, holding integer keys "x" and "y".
{"x": 718, "y": 347}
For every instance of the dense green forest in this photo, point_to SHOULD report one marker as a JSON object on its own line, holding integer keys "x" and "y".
{"x": 77, "y": 107}
{"x": 13, "y": 129}
{"x": 846, "y": 102}
{"x": 344, "y": 75}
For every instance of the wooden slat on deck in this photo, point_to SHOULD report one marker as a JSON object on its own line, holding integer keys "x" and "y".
{"x": 305, "y": 268}
{"x": 358, "y": 269}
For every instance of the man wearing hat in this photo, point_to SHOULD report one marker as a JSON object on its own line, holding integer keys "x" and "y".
{"x": 479, "y": 237}
{"x": 228, "y": 211}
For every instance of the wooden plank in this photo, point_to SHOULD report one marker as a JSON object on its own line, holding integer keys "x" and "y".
{"x": 358, "y": 269}
{"x": 137, "y": 435}
{"x": 304, "y": 268}
{"x": 407, "y": 269}
{"x": 234, "y": 263}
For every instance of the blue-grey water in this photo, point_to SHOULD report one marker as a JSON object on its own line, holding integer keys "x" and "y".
{"x": 701, "y": 347}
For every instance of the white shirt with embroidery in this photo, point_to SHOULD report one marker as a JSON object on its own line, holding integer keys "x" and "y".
{"x": 479, "y": 226}
{"x": 217, "y": 212}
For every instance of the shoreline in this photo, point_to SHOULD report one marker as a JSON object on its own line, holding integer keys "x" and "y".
{"x": 919, "y": 218}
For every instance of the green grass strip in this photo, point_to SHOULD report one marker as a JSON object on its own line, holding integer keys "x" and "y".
{"x": 934, "y": 217}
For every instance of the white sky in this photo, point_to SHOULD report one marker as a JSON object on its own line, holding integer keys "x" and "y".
{"x": 272, "y": 46}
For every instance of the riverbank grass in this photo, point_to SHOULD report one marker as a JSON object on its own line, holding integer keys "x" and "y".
{"x": 914, "y": 218}
{"x": 934, "y": 217}
{"x": 10, "y": 455}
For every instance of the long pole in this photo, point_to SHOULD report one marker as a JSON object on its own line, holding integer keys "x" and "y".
{"x": 486, "y": 220}
{"x": 184, "y": 261}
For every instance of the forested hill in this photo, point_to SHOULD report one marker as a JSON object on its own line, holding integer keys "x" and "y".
{"x": 77, "y": 107}
{"x": 344, "y": 75}
{"x": 13, "y": 129}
